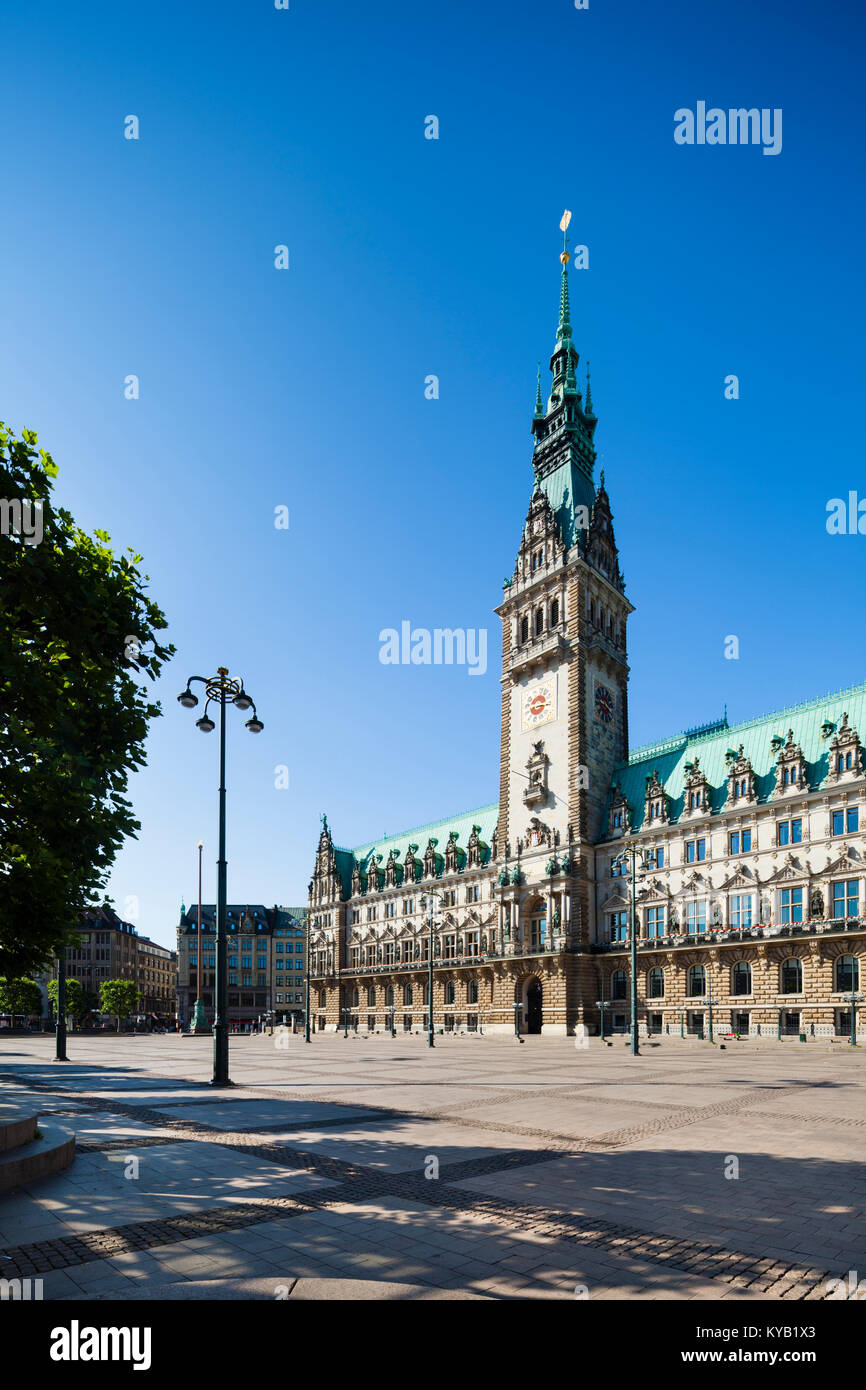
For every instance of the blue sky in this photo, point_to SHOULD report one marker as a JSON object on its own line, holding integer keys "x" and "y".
{"x": 305, "y": 388}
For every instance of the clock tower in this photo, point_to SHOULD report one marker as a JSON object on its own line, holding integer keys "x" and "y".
{"x": 564, "y": 667}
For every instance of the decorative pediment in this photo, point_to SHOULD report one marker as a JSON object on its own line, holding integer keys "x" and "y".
{"x": 615, "y": 902}
{"x": 741, "y": 777}
{"x": 656, "y": 800}
{"x": 845, "y": 862}
{"x": 790, "y": 868}
{"x": 695, "y": 883}
{"x": 411, "y": 866}
{"x": 845, "y": 753}
{"x": 359, "y": 884}
{"x": 742, "y": 876}
{"x": 654, "y": 888}
{"x": 790, "y": 766}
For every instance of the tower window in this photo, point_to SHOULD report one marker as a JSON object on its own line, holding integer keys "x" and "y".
{"x": 554, "y": 612}
{"x": 539, "y": 621}
{"x": 524, "y": 629}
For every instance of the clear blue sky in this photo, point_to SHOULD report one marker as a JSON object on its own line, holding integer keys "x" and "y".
{"x": 305, "y": 388}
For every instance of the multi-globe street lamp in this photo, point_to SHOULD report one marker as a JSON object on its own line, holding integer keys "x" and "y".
{"x": 427, "y": 902}
{"x": 221, "y": 691}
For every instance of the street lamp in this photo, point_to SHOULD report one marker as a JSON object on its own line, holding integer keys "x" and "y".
{"x": 221, "y": 690}
{"x": 517, "y": 1007}
{"x": 855, "y": 996}
{"x": 306, "y": 982}
{"x": 427, "y": 902}
{"x": 630, "y": 851}
{"x": 60, "y": 1026}
{"x": 710, "y": 1002}
{"x": 603, "y": 1004}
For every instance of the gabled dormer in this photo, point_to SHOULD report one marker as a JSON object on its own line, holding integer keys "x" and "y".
{"x": 657, "y": 801}
{"x": 845, "y": 753}
{"x": 741, "y": 778}
{"x": 790, "y": 766}
{"x": 697, "y": 792}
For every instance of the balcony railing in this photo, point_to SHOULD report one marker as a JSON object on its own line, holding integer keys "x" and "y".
{"x": 721, "y": 936}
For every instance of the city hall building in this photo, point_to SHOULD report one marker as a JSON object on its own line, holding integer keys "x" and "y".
{"x": 749, "y": 887}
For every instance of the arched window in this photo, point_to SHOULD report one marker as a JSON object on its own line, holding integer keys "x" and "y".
{"x": 792, "y": 976}
{"x": 449, "y": 992}
{"x": 554, "y": 612}
{"x": 655, "y": 983}
{"x": 389, "y": 997}
{"x": 697, "y": 981}
{"x": 472, "y": 992}
{"x": 618, "y": 984}
{"x": 847, "y": 974}
{"x": 539, "y": 621}
{"x": 524, "y": 629}
{"x": 371, "y": 996}
{"x": 741, "y": 978}
{"x": 407, "y": 995}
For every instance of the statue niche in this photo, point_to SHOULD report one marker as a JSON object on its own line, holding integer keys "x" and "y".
{"x": 537, "y": 792}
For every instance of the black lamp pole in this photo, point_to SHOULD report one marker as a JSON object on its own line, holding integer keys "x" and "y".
{"x": 60, "y": 1028}
{"x": 221, "y": 690}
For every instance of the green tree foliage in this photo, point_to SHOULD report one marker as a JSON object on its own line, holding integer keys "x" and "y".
{"x": 118, "y": 997}
{"x": 76, "y": 1000}
{"x": 77, "y": 632}
{"x": 21, "y": 996}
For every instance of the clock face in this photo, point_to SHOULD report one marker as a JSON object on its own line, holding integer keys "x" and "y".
{"x": 538, "y": 705}
{"x": 603, "y": 704}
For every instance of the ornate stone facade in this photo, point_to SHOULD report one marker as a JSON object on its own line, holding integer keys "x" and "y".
{"x": 750, "y": 896}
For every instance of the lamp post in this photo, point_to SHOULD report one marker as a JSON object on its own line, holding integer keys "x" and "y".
{"x": 517, "y": 1007}
{"x": 631, "y": 851}
{"x": 222, "y": 691}
{"x": 602, "y": 1004}
{"x": 198, "y": 1022}
{"x": 306, "y": 983}
{"x": 60, "y": 1026}
{"x": 710, "y": 1002}
{"x": 427, "y": 902}
{"x": 855, "y": 996}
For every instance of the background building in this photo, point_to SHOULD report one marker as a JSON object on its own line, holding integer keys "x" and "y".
{"x": 111, "y": 949}
{"x": 266, "y": 955}
{"x": 750, "y": 843}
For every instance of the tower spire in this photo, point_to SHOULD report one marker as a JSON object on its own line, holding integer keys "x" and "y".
{"x": 588, "y": 410}
{"x": 539, "y": 408}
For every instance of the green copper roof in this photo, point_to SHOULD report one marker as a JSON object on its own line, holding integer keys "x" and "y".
{"x": 486, "y": 817}
{"x": 710, "y": 745}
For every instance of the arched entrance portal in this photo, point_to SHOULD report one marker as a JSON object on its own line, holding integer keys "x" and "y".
{"x": 533, "y": 1006}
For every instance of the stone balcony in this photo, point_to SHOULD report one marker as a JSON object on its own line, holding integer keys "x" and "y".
{"x": 537, "y": 652}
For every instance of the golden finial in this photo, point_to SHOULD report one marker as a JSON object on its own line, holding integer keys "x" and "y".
{"x": 563, "y": 227}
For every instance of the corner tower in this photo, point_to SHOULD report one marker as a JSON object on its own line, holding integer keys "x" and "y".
{"x": 564, "y": 614}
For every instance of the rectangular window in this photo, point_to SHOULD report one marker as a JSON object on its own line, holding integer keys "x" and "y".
{"x": 845, "y": 898}
{"x": 791, "y": 905}
{"x": 790, "y": 832}
{"x": 618, "y": 926}
{"x": 655, "y": 921}
{"x": 696, "y": 916}
{"x": 739, "y": 841}
{"x": 845, "y": 822}
{"x": 741, "y": 910}
{"x": 279, "y": 948}
{"x": 696, "y": 851}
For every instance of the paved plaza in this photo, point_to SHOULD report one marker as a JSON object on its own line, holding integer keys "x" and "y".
{"x": 372, "y": 1167}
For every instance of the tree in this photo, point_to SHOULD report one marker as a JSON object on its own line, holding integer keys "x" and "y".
{"x": 77, "y": 632}
{"x": 76, "y": 1002}
{"x": 118, "y": 997}
{"x": 21, "y": 996}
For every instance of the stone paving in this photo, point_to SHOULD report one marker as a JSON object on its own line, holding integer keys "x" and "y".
{"x": 479, "y": 1169}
